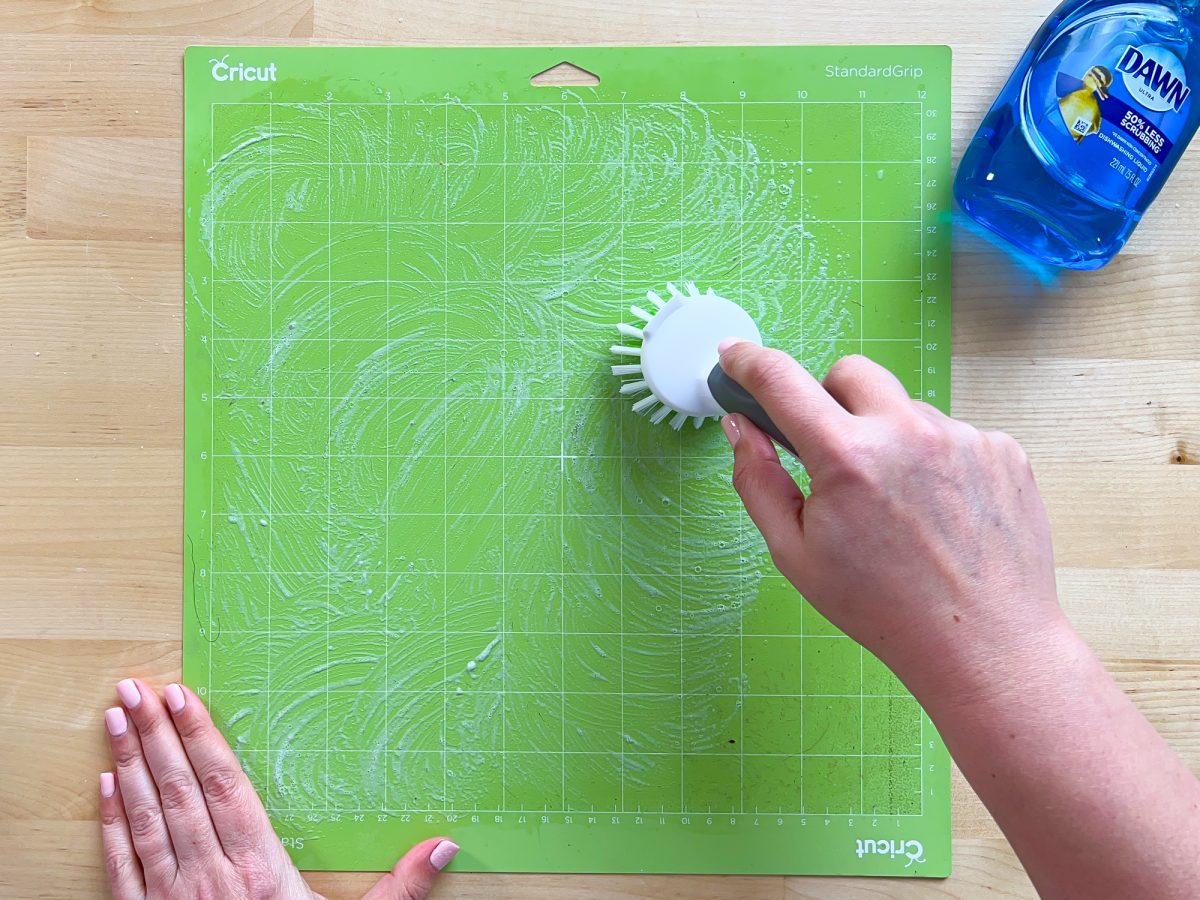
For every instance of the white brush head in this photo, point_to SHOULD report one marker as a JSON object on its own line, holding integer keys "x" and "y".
{"x": 679, "y": 350}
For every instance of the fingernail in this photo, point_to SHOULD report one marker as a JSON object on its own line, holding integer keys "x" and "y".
{"x": 115, "y": 721}
{"x": 175, "y": 698}
{"x": 730, "y": 426}
{"x": 108, "y": 784}
{"x": 726, "y": 344}
{"x": 442, "y": 854}
{"x": 129, "y": 693}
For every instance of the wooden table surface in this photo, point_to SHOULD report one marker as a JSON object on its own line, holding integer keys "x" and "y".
{"x": 1098, "y": 374}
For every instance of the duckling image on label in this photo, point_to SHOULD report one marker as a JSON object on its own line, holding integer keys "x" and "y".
{"x": 1081, "y": 109}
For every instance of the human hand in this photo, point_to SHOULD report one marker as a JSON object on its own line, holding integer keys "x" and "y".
{"x": 921, "y": 537}
{"x": 180, "y": 818}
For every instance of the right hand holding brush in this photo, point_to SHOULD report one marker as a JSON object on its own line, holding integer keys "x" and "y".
{"x": 926, "y": 540}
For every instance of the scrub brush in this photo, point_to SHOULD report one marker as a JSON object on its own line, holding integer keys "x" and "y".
{"x": 677, "y": 375}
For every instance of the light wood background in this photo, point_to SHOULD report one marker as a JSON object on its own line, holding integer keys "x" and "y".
{"x": 1098, "y": 374}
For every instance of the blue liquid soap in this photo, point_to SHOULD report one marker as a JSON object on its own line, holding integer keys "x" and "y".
{"x": 1087, "y": 130}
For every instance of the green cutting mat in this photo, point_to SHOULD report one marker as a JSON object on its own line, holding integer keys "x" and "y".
{"x": 439, "y": 577}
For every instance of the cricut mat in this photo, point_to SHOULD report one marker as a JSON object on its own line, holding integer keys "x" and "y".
{"x": 439, "y": 577}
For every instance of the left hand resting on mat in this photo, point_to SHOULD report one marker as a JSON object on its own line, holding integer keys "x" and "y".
{"x": 181, "y": 820}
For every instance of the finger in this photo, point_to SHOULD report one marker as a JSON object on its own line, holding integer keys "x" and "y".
{"x": 865, "y": 388}
{"x": 927, "y": 411}
{"x": 237, "y": 814}
{"x": 120, "y": 861}
{"x": 412, "y": 876}
{"x": 770, "y": 495}
{"x": 803, "y": 410}
{"x": 147, "y": 826}
{"x": 1009, "y": 449}
{"x": 192, "y": 832}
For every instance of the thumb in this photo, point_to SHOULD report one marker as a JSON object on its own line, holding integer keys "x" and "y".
{"x": 412, "y": 876}
{"x": 770, "y": 495}
{"x": 800, "y": 407}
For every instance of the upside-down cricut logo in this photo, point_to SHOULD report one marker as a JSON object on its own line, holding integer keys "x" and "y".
{"x": 914, "y": 850}
{"x": 223, "y": 71}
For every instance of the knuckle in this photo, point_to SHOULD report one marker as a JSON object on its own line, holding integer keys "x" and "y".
{"x": 926, "y": 409}
{"x": 926, "y": 435}
{"x": 126, "y": 753}
{"x": 409, "y": 891}
{"x": 1002, "y": 439}
{"x": 259, "y": 879}
{"x": 222, "y": 786}
{"x": 847, "y": 366}
{"x": 740, "y": 478}
{"x": 929, "y": 433}
{"x": 177, "y": 790}
{"x": 145, "y": 822}
{"x": 190, "y": 725}
{"x": 978, "y": 442}
{"x": 150, "y": 727}
{"x": 110, "y": 817}
{"x": 769, "y": 371}
{"x": 117, "y": 863}
{"x": 1010, "y": 446}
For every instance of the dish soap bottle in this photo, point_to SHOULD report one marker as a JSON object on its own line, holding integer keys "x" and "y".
{"x": 1087, "y": 129}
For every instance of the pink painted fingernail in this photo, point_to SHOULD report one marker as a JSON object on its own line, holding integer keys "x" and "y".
{"x": 726, "y": 344}
{"x": 128, "y": 691}
{"x": 108, "y": 784}
{"x": 732, "y": 431}
{"x": 175, "y": 697}
{"x": 442, "y": 854}
{"x": 115, "y": 721}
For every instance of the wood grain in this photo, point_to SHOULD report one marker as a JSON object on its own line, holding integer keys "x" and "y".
{"x": 1098, "y": 374}
{"x": 1142, "y": 308}
{"x": 232, "y": 18}
{"x": 84, "y": 86}
{"x": 12, "y": 184}
{"x": 1061, "y": 408}
{"x": 114, "y": 189}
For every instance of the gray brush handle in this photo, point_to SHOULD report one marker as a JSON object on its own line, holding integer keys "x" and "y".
{"x": 733, "y": 398}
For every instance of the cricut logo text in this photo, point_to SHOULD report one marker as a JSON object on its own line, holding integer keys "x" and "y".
{"x": 223, "y": 71}
{"x": 914, "y": 850}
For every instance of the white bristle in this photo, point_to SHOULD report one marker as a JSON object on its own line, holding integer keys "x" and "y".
{"x": 634, "y": 381}
{"x": 631, "y": 331}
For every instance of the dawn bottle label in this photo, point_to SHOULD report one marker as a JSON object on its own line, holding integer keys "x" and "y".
{"x": 1109, "y": 111}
